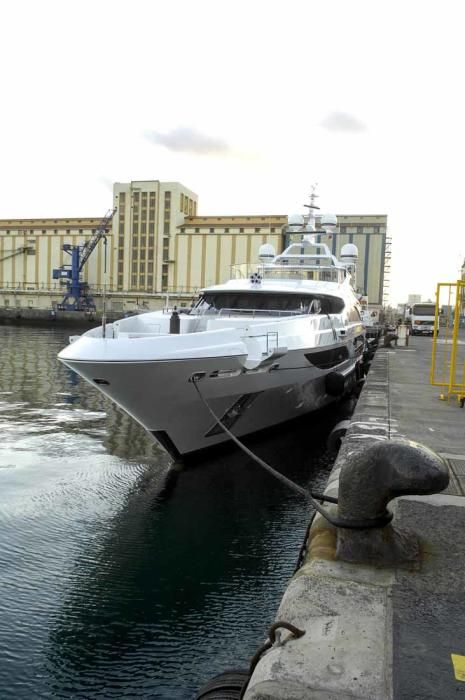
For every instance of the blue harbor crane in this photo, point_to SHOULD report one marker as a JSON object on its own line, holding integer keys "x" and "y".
{"x": 78, "y": 296}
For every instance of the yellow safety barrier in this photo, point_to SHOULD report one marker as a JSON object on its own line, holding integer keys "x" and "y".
{"x": 448, "y": 355}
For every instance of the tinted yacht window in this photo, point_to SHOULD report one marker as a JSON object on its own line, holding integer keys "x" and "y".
{"x": 269, "y": 301}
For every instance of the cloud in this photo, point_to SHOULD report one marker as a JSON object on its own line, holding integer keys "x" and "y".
{"x": 343, "y": 122}
{"x": 186, "y": 140}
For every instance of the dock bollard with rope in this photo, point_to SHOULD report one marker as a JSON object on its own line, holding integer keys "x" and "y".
{"x": 369, "y": 480}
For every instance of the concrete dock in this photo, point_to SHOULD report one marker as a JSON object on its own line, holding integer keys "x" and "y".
{"x": 372, "y": 631}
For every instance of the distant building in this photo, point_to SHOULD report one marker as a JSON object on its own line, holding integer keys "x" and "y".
{"x": 145, "y": 225}
{"x": 413, "y": 299}
{"x": 159, "y": 246}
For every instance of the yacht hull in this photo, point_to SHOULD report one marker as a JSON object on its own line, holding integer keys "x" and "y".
{"x": 163, "y": 398}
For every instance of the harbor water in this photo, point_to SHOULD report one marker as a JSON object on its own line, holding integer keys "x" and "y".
{"x": 121, "y": 576}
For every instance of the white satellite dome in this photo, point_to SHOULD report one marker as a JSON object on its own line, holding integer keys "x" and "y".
{"x": 328, "y": 220}
{"x": 295, "y": 220}
{"x": 266, "y": 252}
{"x": 349, "y": 250}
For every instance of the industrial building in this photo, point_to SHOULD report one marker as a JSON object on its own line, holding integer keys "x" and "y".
{"x": 158, "y": 247}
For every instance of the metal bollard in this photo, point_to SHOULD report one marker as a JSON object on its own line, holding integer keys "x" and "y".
{"x": 402, "y": 335}
{"x": 368, "y": 481}
{"x": 175, "y": 321}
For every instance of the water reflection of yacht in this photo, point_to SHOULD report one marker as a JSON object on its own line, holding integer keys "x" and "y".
{"x": 265, "y": 348}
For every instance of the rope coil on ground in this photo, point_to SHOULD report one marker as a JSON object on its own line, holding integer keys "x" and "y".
{"x": 295, "y": 631}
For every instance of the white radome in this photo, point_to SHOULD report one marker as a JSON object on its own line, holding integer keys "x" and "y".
{"x": 328, "y": 220}
{"x": 295, "y": 220}
{"x": 349, "y": 250}
{"x": 266, "y": 252}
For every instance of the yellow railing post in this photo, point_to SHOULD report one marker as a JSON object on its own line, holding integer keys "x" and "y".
{"x": 455, "y": 337}
{"x": 435, "y": 334}
{"x": 450, "y": 342}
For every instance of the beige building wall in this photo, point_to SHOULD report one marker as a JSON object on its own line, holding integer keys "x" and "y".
{"x": 159, "y": 245}
{"x": 30, "y": 249}
{"x": 207, "y": 247}
{"x": 145, "y": 226}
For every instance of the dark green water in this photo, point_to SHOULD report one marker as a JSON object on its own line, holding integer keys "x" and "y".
{"x": 120, "y": 578}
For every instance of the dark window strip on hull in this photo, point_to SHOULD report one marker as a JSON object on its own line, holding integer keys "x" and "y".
{"x": 325, "y": 359}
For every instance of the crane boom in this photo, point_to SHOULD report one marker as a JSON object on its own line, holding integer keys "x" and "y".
{"x": 18, "y": 251}
{"x": 99, "y": 232}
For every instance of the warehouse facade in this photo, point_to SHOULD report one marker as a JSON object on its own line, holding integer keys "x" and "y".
{"x": 159, "y": 248}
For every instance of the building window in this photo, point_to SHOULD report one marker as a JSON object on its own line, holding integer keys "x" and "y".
{"x": 151, "y": 241}
{"x": 149, "y": 280}
{"x": 120, "y": 267}
{"x": 134, "y": 267}
{"x": 150, "y": 267}
{"x": 257, "y": 230}
{"x": 197, "y": 230}
{"x": 212, "y": 230}
{"x": 142, "y": 267}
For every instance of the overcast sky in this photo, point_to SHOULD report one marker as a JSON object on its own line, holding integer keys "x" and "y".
{"x": 247, "y": 103}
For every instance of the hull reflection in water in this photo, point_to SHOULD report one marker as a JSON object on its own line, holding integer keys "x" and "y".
{"x": 184, "y": 586}
{"x": 120, "y": 576}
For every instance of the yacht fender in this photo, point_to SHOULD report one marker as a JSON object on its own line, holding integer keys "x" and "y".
{"x": 340, "y": 382}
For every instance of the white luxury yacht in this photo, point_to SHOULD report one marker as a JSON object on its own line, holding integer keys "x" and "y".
{"x": 282, "y": 342}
